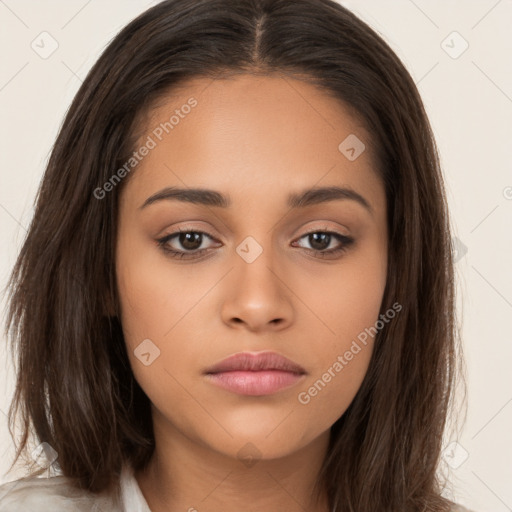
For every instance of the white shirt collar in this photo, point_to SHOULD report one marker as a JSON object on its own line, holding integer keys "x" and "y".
{"x": 131, "y": 495}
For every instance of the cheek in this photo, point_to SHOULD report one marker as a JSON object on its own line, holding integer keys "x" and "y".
{"x": 326, "y": 395}
{"x": 340, "y": 366}
{"x": 348, "y": 306}
{"x": 343, "y": 301}
{"x": 160, "y": 311}
{"x": 156, "y": 295}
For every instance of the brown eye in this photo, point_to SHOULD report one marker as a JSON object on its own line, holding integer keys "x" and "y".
{"x": 185, "y": 243}
{"x": 190, "y": 241}
{"x": 319, "y": 242}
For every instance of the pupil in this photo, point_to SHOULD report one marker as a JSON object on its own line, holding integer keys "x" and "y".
{"x": 189, "y": 240}
{"x": 316, "y": 236}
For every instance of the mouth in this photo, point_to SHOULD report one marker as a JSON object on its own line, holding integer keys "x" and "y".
{"x": 255, "y": 374}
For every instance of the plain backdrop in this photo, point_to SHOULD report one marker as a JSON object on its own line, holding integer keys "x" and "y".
{"x": 458, "y": 52}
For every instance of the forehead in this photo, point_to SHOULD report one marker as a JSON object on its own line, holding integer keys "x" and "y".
{"x": 252, "y": 133}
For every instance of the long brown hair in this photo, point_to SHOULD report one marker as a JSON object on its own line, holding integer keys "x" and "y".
{"x": 75, "y": 388}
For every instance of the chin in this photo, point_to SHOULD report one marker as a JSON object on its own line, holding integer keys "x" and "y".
{"x": 253, "y": 442}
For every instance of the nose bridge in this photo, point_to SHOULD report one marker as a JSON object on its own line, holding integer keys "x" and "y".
{"x": 258, "y": 296}
{"x": 257, "y": 227}
{"x": 250, "y": 249}
{"x": 255, "y": 262}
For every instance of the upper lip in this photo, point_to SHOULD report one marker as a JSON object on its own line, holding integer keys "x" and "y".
{"x": 256, "y": 362}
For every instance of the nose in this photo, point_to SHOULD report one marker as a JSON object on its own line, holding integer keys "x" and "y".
{"x": 256, "y": 296}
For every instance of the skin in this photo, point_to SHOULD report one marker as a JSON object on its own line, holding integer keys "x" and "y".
{"x": 255, "y": 139}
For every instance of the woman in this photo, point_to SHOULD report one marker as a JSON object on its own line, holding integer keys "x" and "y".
{"x": 220, "y": 159}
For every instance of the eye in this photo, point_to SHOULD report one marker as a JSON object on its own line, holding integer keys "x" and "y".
{"x": 320, "y": 240}
{"x": 191, "y": 242}
{"x": 189, "y": 239}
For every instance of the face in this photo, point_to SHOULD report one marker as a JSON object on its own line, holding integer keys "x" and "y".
{"x": 246, "y": 269}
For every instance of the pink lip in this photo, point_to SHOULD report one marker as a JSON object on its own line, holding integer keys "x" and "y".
{"x": 262, "y": 373}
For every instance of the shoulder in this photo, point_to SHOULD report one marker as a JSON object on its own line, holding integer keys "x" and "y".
{"x": 54, "y": 494}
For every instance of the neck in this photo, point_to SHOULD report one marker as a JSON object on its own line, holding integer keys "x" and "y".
{"x": 186, "y": 475}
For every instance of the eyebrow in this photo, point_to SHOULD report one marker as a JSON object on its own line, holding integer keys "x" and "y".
{"x": 208, "y": 197}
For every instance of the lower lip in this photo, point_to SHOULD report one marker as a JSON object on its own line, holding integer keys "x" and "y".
{"x": 255, "y": 383}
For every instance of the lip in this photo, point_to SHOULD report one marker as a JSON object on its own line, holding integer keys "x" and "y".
{"x": 256, "y": 361}
{"x": 255, "y": 374}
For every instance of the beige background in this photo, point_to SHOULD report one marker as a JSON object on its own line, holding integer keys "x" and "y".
{"x": 468, "y": 96}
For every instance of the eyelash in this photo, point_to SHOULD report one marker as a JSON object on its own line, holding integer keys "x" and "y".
{"x": 346, "y": 241}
